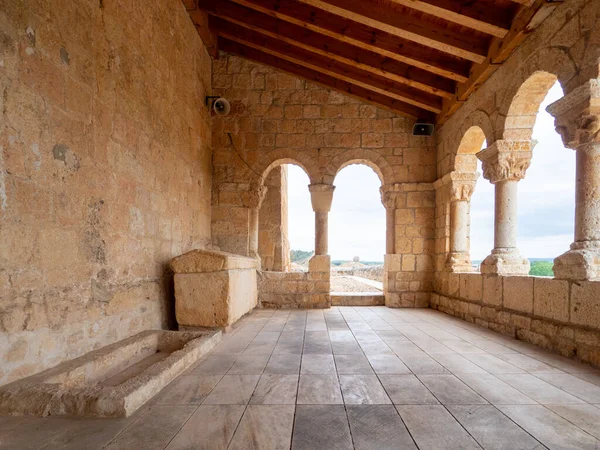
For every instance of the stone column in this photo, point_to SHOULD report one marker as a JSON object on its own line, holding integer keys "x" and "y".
{"x": 461, "y": 185}
{"x": 577, "y": 120}
{"x": 388, "y": 198}
{"x": 256, "y": 195}
{"x": 504, "y": 164}
{"x": 321, "y": 196}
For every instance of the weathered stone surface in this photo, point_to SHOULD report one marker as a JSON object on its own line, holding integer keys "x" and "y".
{"x": 113, "y": 381}
{"x": 200, "y": 261}
{"x": 518, "y": 293}
{"x": 551, "y": 299}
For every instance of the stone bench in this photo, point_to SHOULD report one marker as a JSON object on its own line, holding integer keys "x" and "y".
{"x": 212, "y": 288}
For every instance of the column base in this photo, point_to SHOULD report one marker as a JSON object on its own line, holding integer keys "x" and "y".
{"x": 459, "y": 262}
{"x": 582, "y": 262}
{"x": 505, "y": 262}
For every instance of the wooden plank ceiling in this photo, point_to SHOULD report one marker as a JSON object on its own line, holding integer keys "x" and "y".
{"x": 419, "y": 58}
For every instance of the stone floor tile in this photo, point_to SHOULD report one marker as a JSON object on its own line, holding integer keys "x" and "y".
{"x": 538, "y": 389}
{"x": 214, "y": 365}
{"x": 363, "y": 390}
{"x": 494, "y": 390}
{"x": 573, "y": 385}
{"x": 586, "y": 417}
{"x": 449, "y": 390}
{"x": 275, "y": 390}
{"x": 456, "y": 363}
{"x": 283, "y": 363}
{"x": 259, "y": 348}
{"x": 321, "y": 427}
{"x": 317, "y": 364}
{"x": 8, "y": 424}
{"x": 346, "y": 348}
{"x": 353, "y": 364}
{"x": 423, "y": 364}
{"x": 154, "y": 429}
{"x": 492, "y": 429}
{"x": 249, "y": 365}
{"x": 88, "y": 434}
{"x": 378, "y": 427}
{"x": 433, "y": 347}
{"x": 35, "y": 434}
{"x": 492, "y": 347}
{"x": 264, "y": 427}
{"x": 463, "y": 347}
{"x": 491, "y": 363}
{"x": 267, "y": 337}
{"x": 375, "y": 347}
{"x": 319, "y": 390}
{"x": 211, "y": 427}
{"x": 388, "y": 364}
{"x": 188, "y": 390}
{"x": 293, "y": 348}
{"x": 528, "y": 363}
{"x": 549, "y": 428}
{"x": 424, "y": 423}
{"x": 233, "y": 390}
{"x": 407, "y": 390}
{"x": 313, "y": 346}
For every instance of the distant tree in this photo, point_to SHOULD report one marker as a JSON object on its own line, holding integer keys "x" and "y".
{"x": 541, "y": 269}
{"x": 300, "y": 255}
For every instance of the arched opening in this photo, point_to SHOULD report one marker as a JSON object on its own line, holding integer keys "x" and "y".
{"x": 547, "y": 193}
{"x": 481, "y": 208}
{"x": 357, "y": 228}
{"x": 286, "y": 223}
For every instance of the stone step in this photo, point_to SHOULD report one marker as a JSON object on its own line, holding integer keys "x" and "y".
{"x": 357, "y": 299}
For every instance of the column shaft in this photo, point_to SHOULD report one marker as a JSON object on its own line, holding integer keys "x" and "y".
{"x": 587, "y": 194}
{"x": 390, "y": 234}
{"x": 505, "y": 212}
{"x": 253, "y": 232}
{"x": 321, "y": 232}
{"x": 459, "y": 227}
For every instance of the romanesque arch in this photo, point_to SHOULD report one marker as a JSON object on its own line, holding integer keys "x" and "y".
{"x": 359, "y": 156}
{"x": 268, "y": 161}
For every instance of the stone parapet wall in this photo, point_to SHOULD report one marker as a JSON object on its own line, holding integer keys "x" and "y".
{"x": 105, "y": 172}
{"x": 297, "y": 289}
{"x": 555, "y": 314}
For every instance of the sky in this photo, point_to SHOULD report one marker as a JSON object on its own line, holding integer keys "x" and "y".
{"x": 357, "y": 218}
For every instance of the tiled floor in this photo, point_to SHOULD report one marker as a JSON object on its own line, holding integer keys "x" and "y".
{"x": 343, "y": 378}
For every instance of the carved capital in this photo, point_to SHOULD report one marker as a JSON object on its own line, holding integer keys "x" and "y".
{"x": 389, "y": 195}
{"x": 506, "y": 160}
{"x": 461, "y": 185}
{"x": 577, "y": 116}
{"x": 255, "y": 196}
{"x": 321, "y": 196}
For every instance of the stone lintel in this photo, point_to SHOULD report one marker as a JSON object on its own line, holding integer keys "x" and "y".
{"x": 506, "y": 160}
{"x": 321, "y": 196}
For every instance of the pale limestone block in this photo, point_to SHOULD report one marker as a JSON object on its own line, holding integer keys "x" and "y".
{"x": 585, "y": 304}
{"x": 492, "y": 290}
{"x": 197, "y": 261}
{"x": 471, "y": 286}
{"x": 551, "y": 299}
{"x": 319, "y": 263}
{"x": 518, "y": 293}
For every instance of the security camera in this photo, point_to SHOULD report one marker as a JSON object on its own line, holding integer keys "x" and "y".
{"x": 220, "y": 105}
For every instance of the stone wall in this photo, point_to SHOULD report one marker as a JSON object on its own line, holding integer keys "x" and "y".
{"x": 561, "y": 315}
{"x": 555, "y": 314}
{"x": 273, "y": 245}
{"x": 105, "y": 171}
{"x": 279, "y": 119}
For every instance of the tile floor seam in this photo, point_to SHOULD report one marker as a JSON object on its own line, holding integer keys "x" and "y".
{"x": 386, "y": 392}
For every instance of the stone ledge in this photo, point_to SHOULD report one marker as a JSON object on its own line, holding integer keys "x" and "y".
{"x": 201, "y": 261}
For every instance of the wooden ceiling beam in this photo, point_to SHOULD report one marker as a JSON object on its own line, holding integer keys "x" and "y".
{"x": 475, "y": 15}
{"x": 526, "y": 20}
{"x": 224, "y": 14}
{"x": 208, "y": 36}
{"x": 325, "y": 80}
{"x": 426, "y": 33}
{"x": 359, "y": 35}
{"x": 331, "y": 68}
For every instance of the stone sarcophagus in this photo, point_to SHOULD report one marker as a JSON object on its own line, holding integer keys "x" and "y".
{"x": 212, "y": 288}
